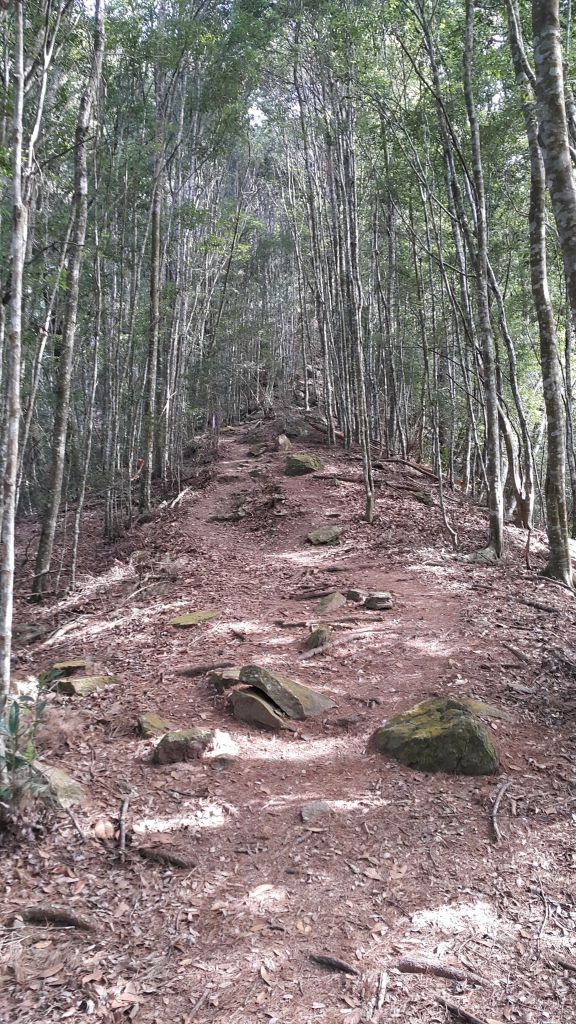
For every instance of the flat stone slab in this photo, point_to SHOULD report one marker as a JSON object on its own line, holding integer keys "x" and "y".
{"x": 301, "y": 463}
{"x": 224, "y": 678}
{"x": 65, "y": 790}
{"x": 294, "y": 699}
{"x": 83, "y": 686}
{"x": 325, "y": 535}
{"x": 181, "y": 745}
{"x": 438, "y": 735}
{"x": 329, "y": 603}
{"x": 191, "y": 619}
{"x": 379, "y": 600}
{"x": 151, "y": 724}
{"x": 251, "y": 707}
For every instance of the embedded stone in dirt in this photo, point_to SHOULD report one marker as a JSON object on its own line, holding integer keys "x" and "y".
{"x": 193, "y": 619}
{"x": 181, "y": 745}
{"x": 438, "y": 735}
{"x": 223, "y": 678}
{"x": 283, "y": 443}
{"x": 251, "y": 707}
{"x": 317, "y": 638}
{"x": 325, "y": 535}
{"x": 313, "y": 810}
{"x": 301, "y": 463}
{"x": 82, "y": 686}
{"x": 357, "y": 596}
{"x": 294, "y": 699}
{"x": 329, "y": 603}
{"x": 256, "y": 450}
{"x": 151, "y": 724}
{"x": 63, "y": 788}
{"x": 424, "y": 498}
{"x": 379, "y": 600}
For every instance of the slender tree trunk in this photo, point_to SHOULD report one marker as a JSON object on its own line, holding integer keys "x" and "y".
{"x": 60, "y": 432}
{"x": 495, "y": 503}
{"x": 17, "y": 252}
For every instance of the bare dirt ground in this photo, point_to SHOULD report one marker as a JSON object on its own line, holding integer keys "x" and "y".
{"x": 405, "y": 865}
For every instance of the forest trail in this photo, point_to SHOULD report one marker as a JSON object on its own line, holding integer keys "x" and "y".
{"x": 403, "y": 865}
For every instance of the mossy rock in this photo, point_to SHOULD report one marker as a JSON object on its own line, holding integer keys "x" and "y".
{"x": 301, "y": 463}
{"x": 438, "y": 735}
{"x": 294, "y": 699}
{"x": 83, "y": 686}
{"x": 193, "y": 619}
{"x": 330, "y": 603}
{"x": 317, "y": 638}
{"x": 325, "y": 535}
{"x": 151, "y": 724}
{"x": 181, "y": 745}
{"x": 424, "y": 498}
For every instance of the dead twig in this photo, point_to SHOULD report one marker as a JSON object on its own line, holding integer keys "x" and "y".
{"x": 459, "y": 1012}
{"x": 409, "y": 966}
{"x": 122, "y": 827}
{"x": 372, "y": 1007}
{"x": 333, "y": 963}
{"x": 494, "y": 815}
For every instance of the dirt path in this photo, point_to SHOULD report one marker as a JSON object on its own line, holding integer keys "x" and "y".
{"x": 403, "y": 865}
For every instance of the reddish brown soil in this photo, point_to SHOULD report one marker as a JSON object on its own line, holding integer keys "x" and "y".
{"x": 404, "y": 865}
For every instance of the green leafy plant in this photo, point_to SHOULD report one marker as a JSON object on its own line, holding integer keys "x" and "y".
{"x": 20, "y": 781}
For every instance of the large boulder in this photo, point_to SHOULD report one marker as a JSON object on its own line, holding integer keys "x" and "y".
{"x": 301, "y": 463}
{"x": 294, "y": 699}
{"x": 438, "y": 735}
{"x": 325, "y": 535}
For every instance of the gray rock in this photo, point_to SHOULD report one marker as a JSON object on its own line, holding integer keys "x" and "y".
{"x": 357, "y": 596}
{"x": 325, "y": 535}
{"x": 313, "y": 810}
{"x": 253, "y": 708}
{"x": 63, "y": 788}
{"x": 294, "y": 699}
{"x": 223, "y": 678}
{"x": 181, "y": 745}
{"x": 283, "y": 443}
{"x": 379, "y": 600}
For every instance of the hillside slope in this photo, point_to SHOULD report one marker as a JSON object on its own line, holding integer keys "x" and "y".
{"x": 399, "y": 864}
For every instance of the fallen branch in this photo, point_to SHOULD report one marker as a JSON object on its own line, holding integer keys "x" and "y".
{"x": 59, "y": 917}
{"x": 540, "y": 606}
{"x": 164, "y": 856}
{"x": 409, "y": 966}
{"x": 503, "y": 787}
{"x": 459, "y": 1013}
{"x": 333, "y": 963}
{"x": 191, "y": 671}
